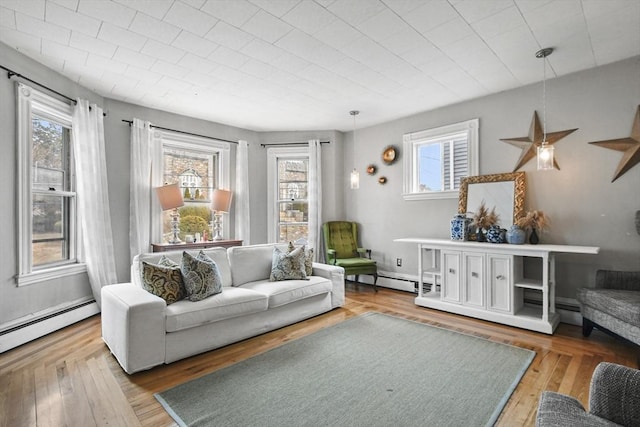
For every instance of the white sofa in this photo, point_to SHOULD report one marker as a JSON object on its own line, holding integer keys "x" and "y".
{"x": 142, "y": 331}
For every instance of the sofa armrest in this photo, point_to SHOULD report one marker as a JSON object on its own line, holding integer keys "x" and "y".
{"x": 559, "y": 410}
{"x": 336, "y": 275}
{"x": 623, "y": 280}
{"x": 615, "y": 394}
{"x": 133, "y": 326}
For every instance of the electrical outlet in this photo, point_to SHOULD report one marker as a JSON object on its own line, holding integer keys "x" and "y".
{"x": 399, "y": 262}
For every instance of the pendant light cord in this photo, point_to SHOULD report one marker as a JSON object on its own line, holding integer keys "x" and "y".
{"x": 544, "y": 100}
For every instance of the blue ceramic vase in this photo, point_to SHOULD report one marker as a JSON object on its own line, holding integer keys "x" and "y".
{"x": 516, "y": 235}
{"x": 459, "y": 227}
{"x": 495, "y": 234}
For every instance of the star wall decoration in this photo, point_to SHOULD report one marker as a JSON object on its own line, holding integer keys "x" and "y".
{"x": 529, "y": 144}
{"x": 629, "y": 146}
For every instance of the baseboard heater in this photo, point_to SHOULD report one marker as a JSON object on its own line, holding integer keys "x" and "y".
{"x": 38, "y": 327}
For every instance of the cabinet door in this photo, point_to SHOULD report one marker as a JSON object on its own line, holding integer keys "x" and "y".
{"x": 499, "y": 283}
{"x": 473, "y": 283}
{"x": 451, "y": 274}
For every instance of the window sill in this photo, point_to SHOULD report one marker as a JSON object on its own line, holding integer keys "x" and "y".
{"x": 50, "y": 274}
{"x": 431, "y": 195}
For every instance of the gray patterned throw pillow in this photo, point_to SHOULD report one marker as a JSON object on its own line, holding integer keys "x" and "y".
{"x": 308, "y": 258}
{"x": 201, "y": 276}
{"x": 164, "y": 281}
{"x": 288, "y": 265}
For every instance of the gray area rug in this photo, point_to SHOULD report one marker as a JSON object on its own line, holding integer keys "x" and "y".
{"x": 371, "y": 370}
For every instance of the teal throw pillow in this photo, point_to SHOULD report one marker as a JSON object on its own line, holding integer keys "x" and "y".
{"x": 288, "y": 265}
{"x": 163, "y": 281}
{"x": 201, "y": 276}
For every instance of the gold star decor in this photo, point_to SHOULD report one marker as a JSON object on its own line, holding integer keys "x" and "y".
{"x": 529, "y": 144}
{"x": 629, "y": 146}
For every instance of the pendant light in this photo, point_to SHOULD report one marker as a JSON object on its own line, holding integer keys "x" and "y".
{"x": 545, "y": 150}
{"x": 355, "y": 175}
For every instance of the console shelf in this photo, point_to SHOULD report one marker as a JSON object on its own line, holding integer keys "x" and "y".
{"x": 487, "y": 281}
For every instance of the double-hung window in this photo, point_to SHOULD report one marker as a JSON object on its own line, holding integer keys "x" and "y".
{"x": 288, "y": 176}
{"x": 437, "y": 159}
{"x": 199, "y": 166}
{"x": 48, "y": 240}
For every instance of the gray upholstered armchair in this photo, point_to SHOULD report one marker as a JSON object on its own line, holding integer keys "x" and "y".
{"x": 614, "y": 400}
{"x": 613, "y": 305}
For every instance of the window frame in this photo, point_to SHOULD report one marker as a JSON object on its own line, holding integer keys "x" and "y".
{"x": 273, "y": 212}
{"x": 32, "y": 102}
{"x": 413, "y": 140}
{"x": 180, "y": 141}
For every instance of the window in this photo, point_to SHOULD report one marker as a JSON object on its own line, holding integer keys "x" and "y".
{"x": 288, "y": 196}
{"x": 48, "y": 238}
{"x": 198, "y": 165}
{"x": 437, "y": 159}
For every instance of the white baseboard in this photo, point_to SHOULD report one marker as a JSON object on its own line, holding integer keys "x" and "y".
{"x": 39, "y": 328}
{"x": 392, "y": 280}
{"x": 571, "y": 316}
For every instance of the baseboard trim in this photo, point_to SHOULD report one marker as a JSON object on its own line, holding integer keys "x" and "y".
{"x": 392, "y": 280}
{"x": 19, "y": 335}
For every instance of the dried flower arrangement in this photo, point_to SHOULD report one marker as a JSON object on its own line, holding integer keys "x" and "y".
{"x": 484, "y": 218}
{"x": 533, "y": 219}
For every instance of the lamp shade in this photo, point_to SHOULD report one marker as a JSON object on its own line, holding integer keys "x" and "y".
{"x": 221, "y": 200}
{"x": 169, "y": 196}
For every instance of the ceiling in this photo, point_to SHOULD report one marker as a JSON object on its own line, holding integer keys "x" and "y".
{"x": 302, "y": 64}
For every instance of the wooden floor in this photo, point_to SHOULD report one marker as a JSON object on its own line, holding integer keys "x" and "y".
{"x": 69, "y": 378}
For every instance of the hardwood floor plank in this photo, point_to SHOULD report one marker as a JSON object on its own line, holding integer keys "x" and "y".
{"x": 69, "y": 378}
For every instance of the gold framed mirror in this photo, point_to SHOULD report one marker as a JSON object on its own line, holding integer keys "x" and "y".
{"x": 504, "y": 191}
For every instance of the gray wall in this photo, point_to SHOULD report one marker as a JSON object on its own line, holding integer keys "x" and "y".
{"x": 584, "y": 206}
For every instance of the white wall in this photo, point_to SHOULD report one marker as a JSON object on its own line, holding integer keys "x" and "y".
{"x": 584, "y": 206}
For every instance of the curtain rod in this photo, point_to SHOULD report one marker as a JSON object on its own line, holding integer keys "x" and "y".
{"x": 284, "y": 144}
{"x": 11, "y": 73}
{"x": 185, "y": 132}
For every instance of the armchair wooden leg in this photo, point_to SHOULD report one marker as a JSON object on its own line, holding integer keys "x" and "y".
{"x": 375, "y": 279}
{"x": 587, "y": 327}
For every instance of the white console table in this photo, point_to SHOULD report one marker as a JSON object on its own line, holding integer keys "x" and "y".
{"x": 487, "y": 280}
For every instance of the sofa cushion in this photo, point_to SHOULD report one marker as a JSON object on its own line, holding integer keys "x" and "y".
{"x": 218, "y": 254}
{"x": 308, "y": 258}
{"x": 164, "y": 281}
{"x": 251, "y": 263}
{"x": 200, "y": 276}
{"x": 288, "y": 265}
{"x": 618, "y": 303}
{"x": 287, "y": 291}
{"x": 231, "y": 302}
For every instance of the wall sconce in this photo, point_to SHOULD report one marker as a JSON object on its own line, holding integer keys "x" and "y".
{"x": 220, "y": 203}
{"x": 170, "y": 197}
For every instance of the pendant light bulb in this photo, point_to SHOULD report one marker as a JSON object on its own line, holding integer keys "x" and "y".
{"x": 355, "y": 175}
{"x": 544, "y": 151}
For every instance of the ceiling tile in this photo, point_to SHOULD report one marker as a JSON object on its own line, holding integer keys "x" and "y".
{"x": 154, "y": 29}
{"x": 383, "y": 25}
{"x": 453, "y": 31}
{"x": 404, "y": 41}
{"x": 337, "y": 34}
{"x": 430, "y": 15}
{"x": 99, "y": 62}
{"x": 257, "y": 69}
{"x": 69, "y": 4}
{"x": 134, "y": 58}
{"x": 229, "y": 36}
{"x": 403, "y": 7}
{"x": 197, "y": 4}
{"x": 477, "y": 10}
{"x": 291, "y": 63}
{"x": 107, "y": 11}
{"x": 276, "y": 8}
{"x": 262, "y": 51}
{"x": 92, "y": 44}
{"x": 169, "y": 69}
{"x": 230, "y": 58}
{"x": 155, "y": 8}
{"x": 74, "y": 21}
{"x": 22, "y": 42}
{"x": 197, "y": 64}
{"x": 194, "y": 44}
{"x": 267, "y": 27}
{"x": 147, "y": 76}
{"x": 34, "y": 8}
{"x": 74, "y": 71}
{"x": 504, "y": 21}
{"x": 118, "y": 36}
{"x": 7, "y": 18}
{"x": 37, "y": 28}
{"x": 356, "y": 11}
{"x": 309, "y": 17}
{"x": 236, "y": 12}
{"x": 163, "y": 51}
{"x": 190, "y": 19}
{"x": 64, "y": 52}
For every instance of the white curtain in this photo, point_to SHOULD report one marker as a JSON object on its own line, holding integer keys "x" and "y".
{"x": 241, "y": 196}
{"x": 315, "y": 196}
{"x": 93, "y": 195}
{"x": 140, "y": 195}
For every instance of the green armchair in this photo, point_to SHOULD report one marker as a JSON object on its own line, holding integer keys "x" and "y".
{"x": 341, "y": 248}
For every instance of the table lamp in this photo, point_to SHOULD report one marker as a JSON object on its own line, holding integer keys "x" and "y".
{"x": 170, "y": 197}
{"x": 220, "y": 203}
